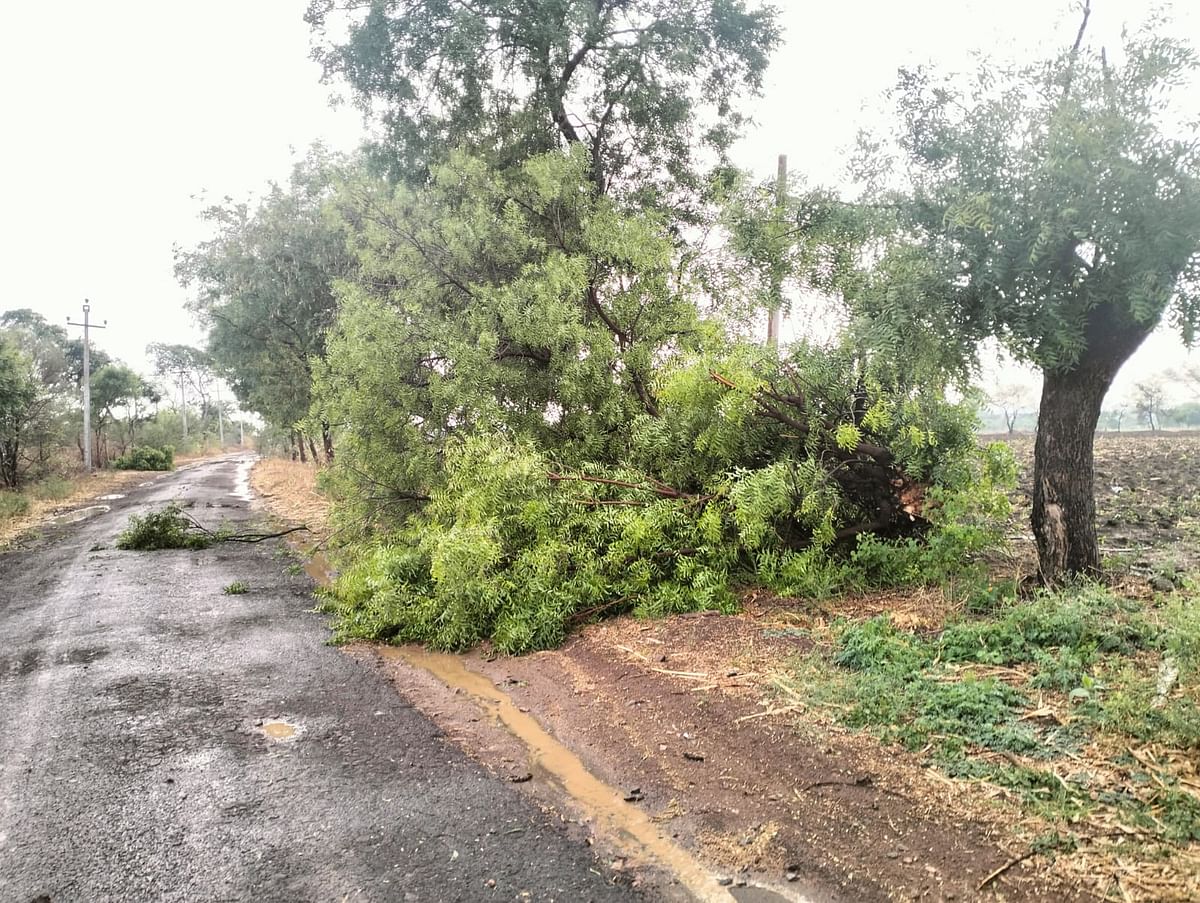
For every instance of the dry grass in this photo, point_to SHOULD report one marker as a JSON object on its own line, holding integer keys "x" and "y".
{"x": 289, "y": 490}
{"x": 84, "y": 490}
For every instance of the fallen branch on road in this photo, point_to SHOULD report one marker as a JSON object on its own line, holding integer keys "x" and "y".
{"x": 173, "y": 528}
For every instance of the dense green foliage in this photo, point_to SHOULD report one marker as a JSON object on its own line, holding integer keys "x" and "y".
{"x": 264, "y": 287}
{"x": 18, "y": 396}
{"x": 536, "y": 425}
{"x": 545, "y": 397}
{"x": 646, "y": 86}
{"x": 145, "y": 457}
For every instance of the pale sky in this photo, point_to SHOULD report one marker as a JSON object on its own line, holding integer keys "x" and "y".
{"x": 117, "y": 115}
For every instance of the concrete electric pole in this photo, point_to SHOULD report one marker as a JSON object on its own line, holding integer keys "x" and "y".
{"x": 775, "y": 320}
{"x": 87, "y": 382}
{"x": 183, "y": 401}
{"x": 220, "y": 418}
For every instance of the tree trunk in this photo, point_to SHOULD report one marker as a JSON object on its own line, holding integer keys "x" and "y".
{"x": 1064, "y": 501}
{"x": 299, "y": 441}
{"x": 327, "y": 439}
{"x": 312, "y": 447}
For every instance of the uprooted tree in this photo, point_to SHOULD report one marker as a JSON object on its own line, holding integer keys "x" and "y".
{"x": 537, "y": 426}
{"x": 1056, "y": 208}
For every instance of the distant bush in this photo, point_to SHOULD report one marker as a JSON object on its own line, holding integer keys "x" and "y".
{"x": 169, "y": 528}
{"x": 12, "y": 504}
{"x": 146, "y": 458}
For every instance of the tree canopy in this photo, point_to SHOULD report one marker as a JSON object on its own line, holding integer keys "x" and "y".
{"x": 1056, "y": 208}
{"x": 644, "y": 85}
{"x": 264, "y": 285}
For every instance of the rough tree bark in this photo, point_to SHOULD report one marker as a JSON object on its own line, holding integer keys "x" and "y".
{"x": 327, "y": 441}
{"x": 1064, "y": 499}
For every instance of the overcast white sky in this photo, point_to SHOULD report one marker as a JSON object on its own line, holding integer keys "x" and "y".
{"x": 117, "y": 115}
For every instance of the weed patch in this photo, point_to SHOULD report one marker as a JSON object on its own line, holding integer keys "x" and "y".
{"x": 52, "y": 489}
{"x": 237, "y": 588}
{"x": 13, "y": 504}
{"x": 1057, "y": 700}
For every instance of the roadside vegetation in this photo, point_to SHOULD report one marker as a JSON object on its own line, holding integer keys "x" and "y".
{"x": 1081, "y": 704}
{"x": 139, "y": 421}
{"x": 523, "y": 333}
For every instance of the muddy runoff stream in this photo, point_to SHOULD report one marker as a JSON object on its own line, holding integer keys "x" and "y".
{"x": 615, "y": 821}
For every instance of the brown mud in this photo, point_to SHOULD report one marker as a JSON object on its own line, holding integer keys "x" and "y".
{"x": 673, "y": 715}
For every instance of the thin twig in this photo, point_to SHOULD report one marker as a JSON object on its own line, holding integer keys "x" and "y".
{"x": 1031, "y": 852}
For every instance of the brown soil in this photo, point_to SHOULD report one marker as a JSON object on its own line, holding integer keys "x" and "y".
{"x": 681, "y": 710}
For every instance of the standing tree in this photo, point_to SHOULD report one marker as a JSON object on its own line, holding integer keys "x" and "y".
{"x": 644, "y": 85}
{"x": 1056, "y": 208}
{"x": 1012, "y": 399}
{"x": 264, "y": 287}
{"x": 1148, "y": 399}
{"x": 50, "y": 363}
{"x": 18, "y": 398}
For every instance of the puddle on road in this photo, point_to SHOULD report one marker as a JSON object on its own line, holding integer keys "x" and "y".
{"x": 317, "y": 567}
{"x": 112, "y": 497}
{"x": 80, "y": 514}
{"x": 611, "y": 816}
{"x": 241, "y": 484}
{"x": 280, "y": 731}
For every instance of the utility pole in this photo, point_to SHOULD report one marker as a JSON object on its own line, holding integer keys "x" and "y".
{"x": 87, "y": 382}
{"x": 775, "y": 319}
{"x": 220, "y": 418}
{"x": 183, "y": 400}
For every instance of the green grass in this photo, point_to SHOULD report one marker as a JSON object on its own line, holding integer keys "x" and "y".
{"x": 13, "y": 504}
{"x": 1097, "y": 658}
{"x": 52, "y": 489}
{"x": 237, "y": 588}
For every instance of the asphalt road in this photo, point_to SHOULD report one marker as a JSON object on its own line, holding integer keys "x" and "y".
{"x": 137, "y": 762}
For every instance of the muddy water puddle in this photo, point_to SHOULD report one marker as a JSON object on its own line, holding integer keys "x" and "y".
{"x": 626, "y": 826}
{"x": 280, "y": 731}
{"x": 80, "y": 514}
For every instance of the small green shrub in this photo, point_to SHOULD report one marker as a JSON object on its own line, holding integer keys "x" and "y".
{"x": 13, "y": 504}
{"x": 146, "y": 458}
{"x": 53, "y": 489}
{"x": 165, "y": 529}
{"x": 237, "y": 588}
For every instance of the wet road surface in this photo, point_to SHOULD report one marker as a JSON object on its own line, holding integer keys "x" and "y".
{"x": 160, "y": 740}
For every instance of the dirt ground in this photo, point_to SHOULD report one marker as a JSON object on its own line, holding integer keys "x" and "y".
{"x": 690, "y": 718}
{"x": 1147, "y": 498}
